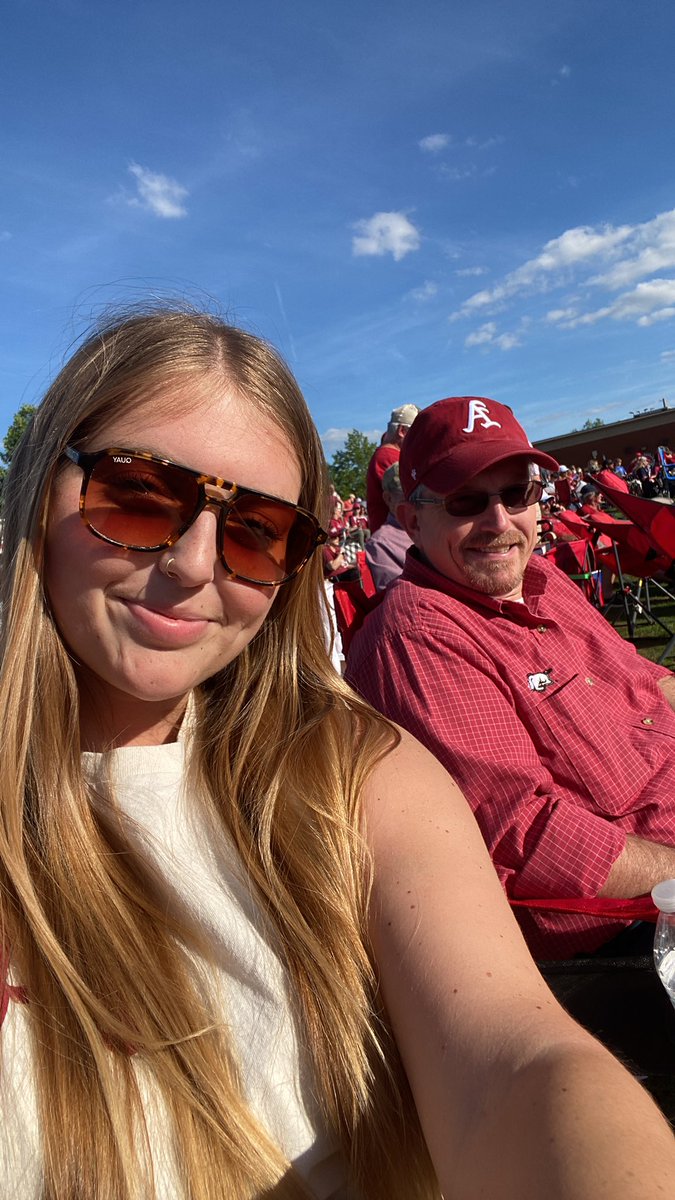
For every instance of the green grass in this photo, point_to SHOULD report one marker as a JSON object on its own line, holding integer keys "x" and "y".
{"x": 650, "y": 640}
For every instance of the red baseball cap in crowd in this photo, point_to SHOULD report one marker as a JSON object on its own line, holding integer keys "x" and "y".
{"x": 457, "y": 438}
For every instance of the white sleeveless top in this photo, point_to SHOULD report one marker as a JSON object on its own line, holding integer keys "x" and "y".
{"x": 208, "y": 885}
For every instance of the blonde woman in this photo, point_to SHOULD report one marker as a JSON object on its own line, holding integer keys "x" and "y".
{"x": 240, "y": 960}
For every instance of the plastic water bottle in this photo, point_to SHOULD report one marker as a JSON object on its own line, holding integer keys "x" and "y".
{"x": 663, "y": 896}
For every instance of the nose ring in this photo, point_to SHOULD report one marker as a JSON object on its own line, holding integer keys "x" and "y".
{"x": 167, "y": 570}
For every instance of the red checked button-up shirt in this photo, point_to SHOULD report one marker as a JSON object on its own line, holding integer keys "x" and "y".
{"x": 554, "y": 728}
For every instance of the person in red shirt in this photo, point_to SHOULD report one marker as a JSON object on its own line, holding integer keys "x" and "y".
{"x": 386, "y": 454}
{"x": 563, "y": 487}
{"x": 559, "y": 734}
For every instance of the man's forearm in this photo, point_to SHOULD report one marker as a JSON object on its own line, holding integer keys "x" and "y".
{"x": 640, "y": 865}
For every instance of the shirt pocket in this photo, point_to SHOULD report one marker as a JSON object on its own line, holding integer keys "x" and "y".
{"x": 595, "y": 745}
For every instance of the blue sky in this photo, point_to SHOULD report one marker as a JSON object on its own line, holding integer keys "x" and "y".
{"x": 458, "y": 197}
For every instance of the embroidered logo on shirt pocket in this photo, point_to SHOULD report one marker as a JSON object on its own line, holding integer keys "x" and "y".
{"x": 611, "y": 763}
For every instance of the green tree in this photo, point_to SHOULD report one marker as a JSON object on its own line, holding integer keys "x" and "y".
{"x": 12, "y": 438}
{"x": 349, "y": 466}
{"x": 593, "y": 423}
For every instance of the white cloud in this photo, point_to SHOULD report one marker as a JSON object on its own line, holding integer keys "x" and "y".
{"x": 457, "y": 174}
{"x": 434, "y": 142}
{"x": 158, "y": 193}
{"x": 487, "y": 336}
{"x": 557, "y": 315}
{"x": 664, "y": 314}
{"x": 652, "y": 248}
{"x": 560, "y": 255}
{"x": 469, "y": 272}
{"x": 386, "y": 233}
{"x": 565, "y": 256}
{"x": 634, "y": 252}
{"x": 480, "y": 337}
{"x": 646, "y": 304}
{"x": 425, "y": 292}
{"x": 334, "y": 439}
{"x": 667, "y": 356}
{"x": 486, "y": 144}
{"x": 507, "y": 341}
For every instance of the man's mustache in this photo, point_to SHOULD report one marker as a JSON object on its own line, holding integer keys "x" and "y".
{"x": 496, "y": 543}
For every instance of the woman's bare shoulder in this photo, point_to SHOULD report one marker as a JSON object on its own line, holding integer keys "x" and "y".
{"x": 436, "y": 895}
{"x": 407, "y": 783}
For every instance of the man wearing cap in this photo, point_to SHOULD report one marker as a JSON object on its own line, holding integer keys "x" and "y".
{"x": 387, "y": 547}
{"x": 491, "y": 656}
{"x": 387, "y": 453}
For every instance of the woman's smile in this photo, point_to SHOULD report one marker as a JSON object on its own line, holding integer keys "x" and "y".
{"x": 166, "y": 627}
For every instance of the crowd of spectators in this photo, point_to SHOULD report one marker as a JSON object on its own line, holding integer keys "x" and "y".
{"x": 347, "y": 533}
{"x": 573, "y": 488}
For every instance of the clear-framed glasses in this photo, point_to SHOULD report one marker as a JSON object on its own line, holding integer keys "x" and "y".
{"x": 134, "y": 499}
{"x": 515, "y": 498}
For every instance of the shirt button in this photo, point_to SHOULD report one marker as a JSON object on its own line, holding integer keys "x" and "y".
{"x": 542, "y": 628}
{"x": 647, "y": 721}
{"x": 589, "y": 681}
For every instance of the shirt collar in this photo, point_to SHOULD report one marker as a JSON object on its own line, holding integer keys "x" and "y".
{"x": 534, "y": 586}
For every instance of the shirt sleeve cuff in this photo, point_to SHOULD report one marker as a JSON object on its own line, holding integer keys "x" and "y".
{"x": 572, "y": 856}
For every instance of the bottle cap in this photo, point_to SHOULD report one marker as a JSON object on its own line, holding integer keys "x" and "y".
{"x": 663, "y": 896}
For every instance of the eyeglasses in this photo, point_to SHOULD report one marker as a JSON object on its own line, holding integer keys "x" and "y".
{"x": 133, "y": 499}
{"x": 514, "y": 498}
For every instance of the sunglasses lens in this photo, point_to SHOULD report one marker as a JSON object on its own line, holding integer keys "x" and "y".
{"x": 266, "y": 541}
{"x": 138, "y": 503}
{"x": 468, "y": 505}
{"x": 514, "y": 499}
{"x": 521, "y": 495}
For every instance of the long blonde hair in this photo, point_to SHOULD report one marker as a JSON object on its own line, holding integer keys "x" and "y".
{"x": 104, "y": 968}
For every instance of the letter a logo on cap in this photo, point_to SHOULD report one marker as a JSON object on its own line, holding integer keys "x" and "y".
{"x": 478, "y": 412}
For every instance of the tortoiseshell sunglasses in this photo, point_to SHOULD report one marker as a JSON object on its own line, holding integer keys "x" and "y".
{"x": 133, "y": 499}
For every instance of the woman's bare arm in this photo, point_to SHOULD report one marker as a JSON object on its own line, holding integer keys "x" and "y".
{"x": 515, "y": 1099}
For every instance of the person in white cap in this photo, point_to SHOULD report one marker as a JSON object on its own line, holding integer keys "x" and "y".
{"x": 386, "y": 454}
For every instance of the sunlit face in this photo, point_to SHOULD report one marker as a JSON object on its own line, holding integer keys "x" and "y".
{"x": 488, "y": 552}
{"x": 142, "y": 639}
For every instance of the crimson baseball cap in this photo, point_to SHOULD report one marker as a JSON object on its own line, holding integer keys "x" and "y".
{"x": 457, "y": 438}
